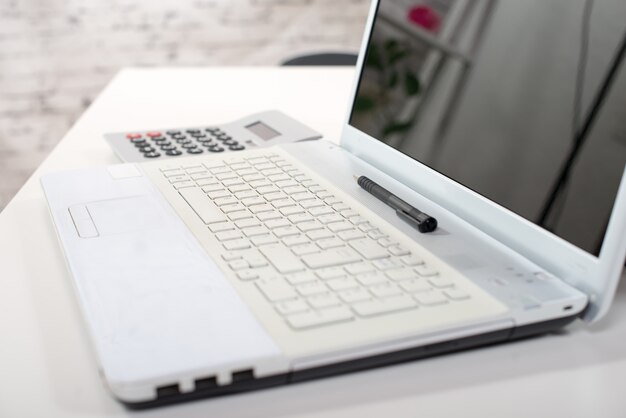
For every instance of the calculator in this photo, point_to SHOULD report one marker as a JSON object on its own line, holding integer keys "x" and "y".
{"x": 253, "y": 131}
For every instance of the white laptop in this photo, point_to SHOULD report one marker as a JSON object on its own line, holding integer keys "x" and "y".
{"x": 211, "y": 275}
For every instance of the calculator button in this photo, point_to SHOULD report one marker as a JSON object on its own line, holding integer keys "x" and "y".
{"x": 147, "y": 150}
{"x": 195, "y": 151}
{"x": 151, "y": 154}
{"x": 193, "y": 131}
{"x": 159, "y": 139}
{"x": 172, "y": 132}
{"x": 224, "y": 137}
{"x": 185, "y": 142}
{"x": 179, "y": 137}
{"x": 164, "y": 143}
{"x": 173, "y": 153}
{"x": 153, "y": 134}
{"x": 216, "y": 149}
{"x": 236, "y": 147}
{"x": 198, "y": 136}
{"x": 230, "y": 142}
{"x": 168, "y": 147}
{"x": 133, "y": 136}
{"x": 189, "y": 146}
{"x": 139, "y": 142}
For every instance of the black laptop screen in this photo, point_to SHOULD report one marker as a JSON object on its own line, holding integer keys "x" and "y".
{"x": 497, "y": 96}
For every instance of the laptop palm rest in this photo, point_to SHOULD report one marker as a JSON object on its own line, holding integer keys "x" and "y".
{"x": 154, "y": 300}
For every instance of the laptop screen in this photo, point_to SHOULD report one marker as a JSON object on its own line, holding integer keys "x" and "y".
{"x": 495, "y": 95}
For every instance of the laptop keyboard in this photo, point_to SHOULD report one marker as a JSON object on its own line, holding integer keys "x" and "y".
{"x": 317, "y": 260}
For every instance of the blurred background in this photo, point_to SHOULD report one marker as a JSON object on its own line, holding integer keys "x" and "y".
{"x": 57, "y": 55}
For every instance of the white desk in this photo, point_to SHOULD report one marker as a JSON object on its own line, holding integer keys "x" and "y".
{"x": 46, "y": 364}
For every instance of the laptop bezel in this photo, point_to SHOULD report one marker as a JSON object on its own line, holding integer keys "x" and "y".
{"x": 596, "y": 276}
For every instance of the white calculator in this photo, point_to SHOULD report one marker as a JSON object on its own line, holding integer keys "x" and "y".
{"x": 256, "y": 130}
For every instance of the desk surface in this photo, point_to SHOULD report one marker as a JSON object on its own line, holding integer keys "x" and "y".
{"x": 47, "y": 368}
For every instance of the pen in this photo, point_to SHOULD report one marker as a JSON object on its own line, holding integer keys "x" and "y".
{"x": 418, "y": 219}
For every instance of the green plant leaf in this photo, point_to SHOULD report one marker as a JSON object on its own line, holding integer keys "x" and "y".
{"x": 396, "y": 127}
{"x": 373, "y": 58}
{"x": 364, "y": 104}
{"x": 411, "y": 84}
{"x": 392, "y": 80}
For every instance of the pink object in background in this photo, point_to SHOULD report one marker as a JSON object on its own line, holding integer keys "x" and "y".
{"x": 425, "y": 17}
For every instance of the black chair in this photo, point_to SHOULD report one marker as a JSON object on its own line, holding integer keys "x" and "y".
{"x": 323, "y": 59}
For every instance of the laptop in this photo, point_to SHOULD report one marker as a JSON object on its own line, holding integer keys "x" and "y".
{"x": 213, "y": 275}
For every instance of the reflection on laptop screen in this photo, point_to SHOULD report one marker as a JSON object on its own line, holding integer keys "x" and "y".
{"x": 485, "y": 92}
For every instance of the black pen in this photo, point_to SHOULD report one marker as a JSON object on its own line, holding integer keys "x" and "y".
{"x": 418, "y": 219}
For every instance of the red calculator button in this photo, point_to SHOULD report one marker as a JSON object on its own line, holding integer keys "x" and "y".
{"x": 153, "y": 134}
{"x": 133, "y": 136}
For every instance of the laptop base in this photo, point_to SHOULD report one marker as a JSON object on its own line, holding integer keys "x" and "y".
{"x": 244, "y": 381}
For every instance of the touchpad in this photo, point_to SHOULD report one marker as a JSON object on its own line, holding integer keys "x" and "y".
{"x": 117, "y": 216}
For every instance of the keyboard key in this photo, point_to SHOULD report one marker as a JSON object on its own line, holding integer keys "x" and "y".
{"x": 289, "y": 307}
{"x": 300, "y": 250}
{"x": 265, "y": 216}
{"x": 369, "y": 249}
{"x": 327, "y": 243}
{"x": 359, "y": 268}
{"x": 218, "y": 194}
{"x": 255, "y": 230}
{"x": 301, "y": 277}
{"x": 329, "y": 218}
{"x": 411, "y": 260}
{"x": 415, "y": 285}
{"x": 285, "y": 231}
{"x": 311, "y": 204}
{"x": 457, "y": 294}
{"x": 228, "y": 200}
{"x": 309, "y": 226}
{"x": 321, "y": 317}
{"x": 377, "y": 307}
{"x": 242, "y": 214}
{"x": 372, "y": 278}
{"x": 264, "y": 240}
{"x": 277, "y": 223}
{"x": 183, "y": 184}
{"x": 292, "y": 240}
{"x": 441, "y": 282}
{"x": 354, "y": 295}
{"x": 350, "y": 234}
{"x": 202, "y": 205}
{"x": 386, "y": 264}
{"x": 323, "y": 301}
{"x": 247, "y": 223}
{"x": 430, "y": 298}
{"x": 270, "y": 197}
{"x": 283, "y": 203}
{"x": 281, "y": 258}
{"x": 261, "y": 208}
{"x": 398, "y": 251}
{"x": 233, "y": 208}
{"x": 401, "y": 274}
{"x": 291, "y": 210}
{"x": 231, "y": 256}
{"x": 221, "y": 226}
{"x": 236, "y": 244}
{"x": 227, "y": 235}
{"x": 300, "y": 217}
{"x": 426, "y": 271}
{"x": 340, "y": 226}
{"x": 385, "y": 290}
{"x": 330, "y": 273}
{"x": 238, "y": 265}
{"x": 311, "y": 288}
{"x": 319, "y": 211}
{"x": 330, "y": 258}
{"x": 319, "y": 234}
{"x": 276, "y": 289}
{"x": 342, "y": 283}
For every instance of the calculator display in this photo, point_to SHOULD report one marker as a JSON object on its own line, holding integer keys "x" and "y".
{"x": 263, "y": 131}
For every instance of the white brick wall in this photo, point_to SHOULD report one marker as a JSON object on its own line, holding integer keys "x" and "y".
{"x": 56, "y": 55}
